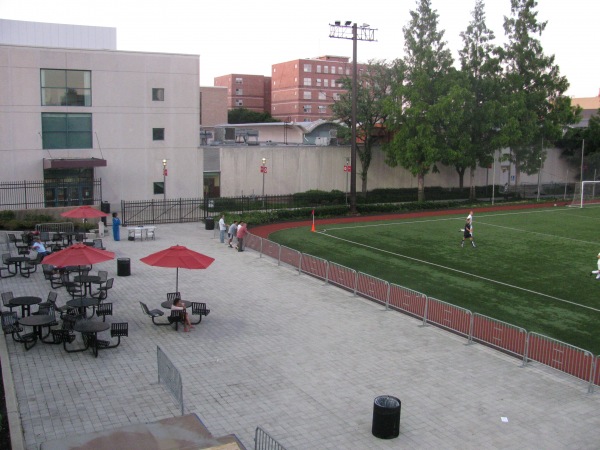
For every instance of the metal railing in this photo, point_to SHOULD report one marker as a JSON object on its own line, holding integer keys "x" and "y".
{"x": 263, "y": 441}
{"x": 150, "y": 212}
{"x": 16, "y": 195}
{"x": 503, "y": 336}
{"x": 170, "y": 376}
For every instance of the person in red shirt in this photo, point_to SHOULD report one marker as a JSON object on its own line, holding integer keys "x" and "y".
{"x": 241, "y": 234}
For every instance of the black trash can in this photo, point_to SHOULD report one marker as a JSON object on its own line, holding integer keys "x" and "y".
{"x": 123, "y": 267}
{"x": 209, "y": 223}
{"x": 386, "y": 417}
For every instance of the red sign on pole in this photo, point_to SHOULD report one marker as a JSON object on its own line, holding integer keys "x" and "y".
{"x": 165, "y": 172}
{"x": 263, "y": 169}
{"x": 347, "y": 168}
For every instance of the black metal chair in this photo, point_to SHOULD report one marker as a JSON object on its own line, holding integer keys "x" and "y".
{"x": 73, "y": 288}
{"x": 199, "y": 309}
{"x": 10, "y": 325}
{"x": 102, "y": 291}
{"x": 154, "y": 314}
{"x": 103, "y": 275}
{"x": 50, "y": 302}
{"x": 6, "y": 298}
{"x": 171, "y": 296}
{"x": 31, "y": 266}
{"x": 177, "y": 317}
{"x": 117, "y": 330}
{"x": 104, "y": 309}
{"x": 5, "y": 267}
{"x": 98, "y": 244}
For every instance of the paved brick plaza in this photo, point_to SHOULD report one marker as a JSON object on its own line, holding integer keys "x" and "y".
{"x": 300, "y": 359}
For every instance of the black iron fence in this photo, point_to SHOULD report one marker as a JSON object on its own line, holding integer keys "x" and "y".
{"x": 17, "y": 195}
{"x": 145, "y": 212}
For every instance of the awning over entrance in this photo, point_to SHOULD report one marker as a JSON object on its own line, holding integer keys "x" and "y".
{"x": 73, "y": 163}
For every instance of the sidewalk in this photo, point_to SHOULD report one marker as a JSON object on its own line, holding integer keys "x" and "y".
{"x": 298, "y": 358}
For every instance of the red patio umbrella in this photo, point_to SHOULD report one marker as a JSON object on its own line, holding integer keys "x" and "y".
{"x": 178, "y": 256}
{"x": 78, "y": 255}
{"x": 84, "y": 212}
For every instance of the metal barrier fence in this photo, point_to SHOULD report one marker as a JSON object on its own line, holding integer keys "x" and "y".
{"x": 59, "y": 227}
{"x": 169, "y": 375}
{"x": 263, "y": 441}
{"x": 475, "y": 327}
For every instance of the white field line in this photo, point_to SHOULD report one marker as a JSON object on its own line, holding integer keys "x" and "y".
{"x": 459, "y": 271}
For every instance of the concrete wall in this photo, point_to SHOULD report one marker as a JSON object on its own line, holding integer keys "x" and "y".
{"x": 300, "y": 168}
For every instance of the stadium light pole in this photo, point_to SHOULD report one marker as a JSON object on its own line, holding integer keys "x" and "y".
{"x": 357, "y": 33}
{"x": 164, "y": 162}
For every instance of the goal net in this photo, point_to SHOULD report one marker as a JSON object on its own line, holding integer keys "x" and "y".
{"x": 586, "y": 193}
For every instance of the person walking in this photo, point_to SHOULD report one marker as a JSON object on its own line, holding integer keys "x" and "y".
{"x": 232, "y": 232}
{"x": 241, "y": 234}
{"x": 222, "y": 229}
{"x": 596, "y": 272}
{"x": 470, "y": 217}
{"x": 116, "y": 224}
{"x": 467, "y": 234}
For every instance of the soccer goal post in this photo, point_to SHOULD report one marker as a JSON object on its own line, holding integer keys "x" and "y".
{"x": 586, "y": 193}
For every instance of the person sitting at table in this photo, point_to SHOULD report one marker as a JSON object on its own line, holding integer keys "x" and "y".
{"x": 39, "y": 247}
{"x": 178, "y": 305}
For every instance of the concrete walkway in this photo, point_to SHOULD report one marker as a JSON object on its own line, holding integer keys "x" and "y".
{"x": 300, "y": 359}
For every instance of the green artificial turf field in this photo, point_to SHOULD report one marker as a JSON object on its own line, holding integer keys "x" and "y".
{"x": 531, "y": 268}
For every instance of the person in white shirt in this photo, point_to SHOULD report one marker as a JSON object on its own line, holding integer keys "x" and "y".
{"x": 596, "y": 272}
{"x": 222, "y": 229}
{"x": 470, "y": 218}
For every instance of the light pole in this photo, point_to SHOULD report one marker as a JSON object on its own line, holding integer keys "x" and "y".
{"x": 582, "y": 150}
{"x": 347, "y": 169}
{"x": 263, "y": 170}
{"x": 363, "y": 33}
{"x": 164, "y": 161}
{"x": 539, "y": 175}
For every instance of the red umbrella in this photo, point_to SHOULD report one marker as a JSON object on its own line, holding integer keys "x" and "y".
{"x": 84, "y": 212}
{"x": 178, "y": 256}
{"x": 78, "y": 255}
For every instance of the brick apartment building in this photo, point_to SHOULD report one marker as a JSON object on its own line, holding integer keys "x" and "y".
{"x": 252, "y": 92}
{"x": 301, "y": 90}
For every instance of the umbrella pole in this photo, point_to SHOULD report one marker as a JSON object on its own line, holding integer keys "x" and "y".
{"x": 177, "y": 280}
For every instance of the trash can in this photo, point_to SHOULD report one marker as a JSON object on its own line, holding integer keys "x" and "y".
{"x": 386, "y": 417}
{"x": 105, "y": 208}
{"x": 123, "y": 267}
{"x": 209, "y": 223}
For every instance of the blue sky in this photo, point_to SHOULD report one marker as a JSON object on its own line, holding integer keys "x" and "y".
{"x": 238, "y": 36}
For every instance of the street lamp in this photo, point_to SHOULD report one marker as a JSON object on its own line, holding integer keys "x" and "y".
{"x": 263, "y": 170}
{"x": 347, "y": 169}
{"x": 164, "y": 161}
{"x": 363, "y": 33}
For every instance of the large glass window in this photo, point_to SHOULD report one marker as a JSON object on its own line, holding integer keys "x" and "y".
{"x": 158, "y": 134}
{"x": 66, "y": 130}
{"x": 158, "y": 94}
{"x": 66, "y": 87}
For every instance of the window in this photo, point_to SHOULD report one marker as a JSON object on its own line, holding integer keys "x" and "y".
{"x": 158, "y": 95}
{"x": 307, "y": 81}
{"x": 322, "y": 109}
{"x": 239, "y": 91}
{"x": 336, "y": 96}
{"x": 239, "y": 80}
{"x": 326, "y": 69}
{"x": 318, "y": 69}
{"x": 159, "y": 187}
{"x": 318, "y": 82}
{"x": 239, "y": 102}
{"x": 158, "y": 134}
{"x": 322, "y": 96}
{"x": 307, "y": 95}
{"x": 340, "y": 70}
{"x": 66, "y": 87}
{"x": 66, "y": 130}
{"x": 326, "y": 82}
{"x": 307, "y": 108}
{"x": 332, "y": 69}
{"x": 332, "y": 83}
{"x": 307, "y": 67}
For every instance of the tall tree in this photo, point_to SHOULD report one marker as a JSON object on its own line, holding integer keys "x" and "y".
{"x": 373, "y": 86}
{"x": 416, "y": 115}
{"x": 537, "y": 110}
{"x": 480, "y": 108}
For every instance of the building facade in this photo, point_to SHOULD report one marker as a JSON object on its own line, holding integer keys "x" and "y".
{"x": 303, "y": 90}
{"x": 252, "y": 92}
{"x": 81, "y": 115}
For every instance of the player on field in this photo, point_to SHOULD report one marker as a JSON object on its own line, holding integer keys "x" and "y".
{"x": 470, "y": 217}
{"x": 597, "y": 272}
{"x": 467, "y": 234}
